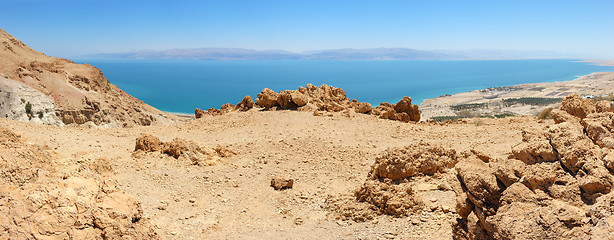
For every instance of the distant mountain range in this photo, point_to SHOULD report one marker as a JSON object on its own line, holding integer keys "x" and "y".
{"x": 331, "y": 54}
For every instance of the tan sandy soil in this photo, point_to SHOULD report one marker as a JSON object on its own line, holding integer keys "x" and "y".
{"x": 328, "y": 158}
{"x": 595, "y": 84}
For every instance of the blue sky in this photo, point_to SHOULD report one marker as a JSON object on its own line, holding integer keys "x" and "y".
{"x": 72, "y": 28}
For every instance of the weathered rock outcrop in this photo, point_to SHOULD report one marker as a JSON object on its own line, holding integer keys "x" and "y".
{"x": 577, "y": 106}
{"x": 321, "y": 99}
{"x": 403, "y": 111}
{"x": 267, "y": 98}
{"x": 78, "y": 93}
{"x": 42, "y": 197}
{"x": 412, "y": 160}
{"x": 246, "y": 104}
{"x": 388, "y": 188}
{"x": 183, "y": 150}
{"x": 556, "y": 184}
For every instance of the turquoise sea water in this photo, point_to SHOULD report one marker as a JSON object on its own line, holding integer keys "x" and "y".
{"x": 183, "y": 85}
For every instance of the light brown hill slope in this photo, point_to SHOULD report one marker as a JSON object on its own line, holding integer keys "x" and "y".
{"x": 80, "y": 92}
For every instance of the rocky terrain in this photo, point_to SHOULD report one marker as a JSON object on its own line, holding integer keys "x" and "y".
{"x": 289, "y": 174}
{"x": 322, "y": 100}
{"x": 63, "y": 92}
{"x": 44, "y": 197}
{"x": 555, "y": 184}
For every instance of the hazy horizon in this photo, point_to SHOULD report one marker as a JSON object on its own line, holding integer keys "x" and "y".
{"x": 75, "y": 28}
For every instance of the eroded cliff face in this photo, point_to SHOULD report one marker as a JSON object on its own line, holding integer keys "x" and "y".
{"x": 80, "y": 92}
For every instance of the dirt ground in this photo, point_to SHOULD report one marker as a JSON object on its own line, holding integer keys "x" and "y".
{"x": 328, "y": 158}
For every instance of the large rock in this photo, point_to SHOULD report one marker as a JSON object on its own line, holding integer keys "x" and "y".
{"x": 285, "y": 100}
{"x": 361, "y": 107}
{"x": 412, "y": 160}
{"x": 390, "y": 199}
{"x": 534, "y": 148}
{"x": 578, "y": 106}
{"x": 604, "y": 106}
{"x": 267, "y": 98}
{"x": 148, "y": 143}
{"x": 183, "y": 150}
{"x": 246, "y": 104}
{"x": 598, "y": 127}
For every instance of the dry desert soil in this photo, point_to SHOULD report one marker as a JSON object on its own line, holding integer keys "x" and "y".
{"x": 327, "y": 157}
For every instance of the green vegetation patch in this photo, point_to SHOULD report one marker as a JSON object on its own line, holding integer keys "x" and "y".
{"x": 28, "y": 108}
{"x": 445, "y": 118}
{"x": 534, "y": 101}
{"x": 468, "y": 106}
{"x": 504, "y": 115}
{"x": 504, "y": 89}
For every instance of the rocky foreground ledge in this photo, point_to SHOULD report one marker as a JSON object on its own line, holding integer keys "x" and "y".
{"x": 320, "y": 100}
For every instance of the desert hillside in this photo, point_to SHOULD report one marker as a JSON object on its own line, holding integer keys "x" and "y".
{"x": 289, "y": 174}
{"x": 38, "y": 88}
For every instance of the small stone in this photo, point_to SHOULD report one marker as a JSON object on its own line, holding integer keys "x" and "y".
{"x": 415, "y": 221}
{"x": 192, "y": 200}
{"x": 433, "y": 199}
{"x": 281, "y": 183}
{"x": 444, "y": 186}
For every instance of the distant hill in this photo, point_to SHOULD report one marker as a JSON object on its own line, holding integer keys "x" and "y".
{"x": 329, "y": 54}
{"x": 250, "y": 54}
{"x": 202, "y": 54}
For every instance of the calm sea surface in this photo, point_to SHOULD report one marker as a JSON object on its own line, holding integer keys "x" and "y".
{"x": 182, "y": 85}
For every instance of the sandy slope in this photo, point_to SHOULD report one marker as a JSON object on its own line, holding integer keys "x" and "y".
{"x": 328, "y": 157}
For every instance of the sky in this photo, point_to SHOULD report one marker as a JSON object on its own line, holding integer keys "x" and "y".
{"x": 73, "y": 28}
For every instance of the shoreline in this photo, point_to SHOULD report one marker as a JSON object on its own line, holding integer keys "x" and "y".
{"x": 511, "y": 100}
{"x": 440, "y": 106}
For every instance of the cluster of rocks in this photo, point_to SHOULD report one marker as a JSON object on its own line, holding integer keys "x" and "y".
{"x": 388, "y": 188}
{"x": 183, "y": 150}
{"x": 42, "y": 198}
{"x": 556, "y": 184}
{"x": 323, "y": 98}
